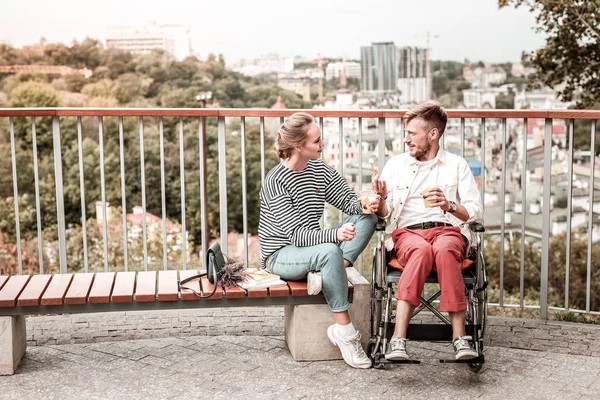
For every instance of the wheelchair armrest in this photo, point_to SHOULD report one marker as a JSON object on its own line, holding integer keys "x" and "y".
{"x": 476, "y": 227}
{"x": 380, "y": 225}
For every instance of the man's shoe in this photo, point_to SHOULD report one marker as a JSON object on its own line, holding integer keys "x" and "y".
{"x": 396, "y": 350}
{"x": 351, "y": 349}
{"x": 463, "y": 349}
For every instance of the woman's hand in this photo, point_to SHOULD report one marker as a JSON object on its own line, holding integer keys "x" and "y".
{"x": 375, "y": 204}
{"x": 346, "y": 232}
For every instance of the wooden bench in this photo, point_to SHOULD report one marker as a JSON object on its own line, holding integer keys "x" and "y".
{"x": 22, "y": 295}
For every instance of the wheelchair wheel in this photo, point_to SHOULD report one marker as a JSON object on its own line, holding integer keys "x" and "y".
{"x": 371, "y": 353}
{"x": 476, "y": 366}
{"x": 371, "y": 349}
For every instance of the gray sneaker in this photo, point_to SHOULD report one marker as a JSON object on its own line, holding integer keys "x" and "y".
{"x": 351, "y": 349}
{"x": 463, "y": 349}
{"x": 396, "y": 350}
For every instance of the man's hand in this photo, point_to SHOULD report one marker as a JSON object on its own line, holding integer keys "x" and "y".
{"x": 435, "y": 198}
{"x": 346, "y": 232}
{"x": 379, "y": 187}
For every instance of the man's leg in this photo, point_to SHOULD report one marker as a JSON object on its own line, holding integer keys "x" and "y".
{"x": 415, "y": 253}
{"x": 449, "y": 250}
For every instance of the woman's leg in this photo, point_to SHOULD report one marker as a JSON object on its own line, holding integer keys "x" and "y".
{"x": 294, "y": 263}
{"x": 365, "y": 227}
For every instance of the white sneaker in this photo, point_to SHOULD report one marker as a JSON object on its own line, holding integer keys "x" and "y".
{"x": 351, "y": 349}
{"x": 314, "y": 283}
{"x": 396, "y": 350}
{"x": 463, "y": 349}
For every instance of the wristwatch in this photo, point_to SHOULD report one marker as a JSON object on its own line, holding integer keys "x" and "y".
{"x": 453, "y": 207}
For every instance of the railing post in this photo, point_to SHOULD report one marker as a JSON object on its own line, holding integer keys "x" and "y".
{"x": 546, "y": 219}
{"x": 60, "y": 204}
{"x": 16, "y": 193}
{"x": 588, "y": 280}
{"x": 381, "y": 144}
{"x": 203, "y": 199}
{"x": 223, "y": 183}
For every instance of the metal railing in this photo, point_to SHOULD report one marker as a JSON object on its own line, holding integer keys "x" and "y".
{"x": 485, "y": 132}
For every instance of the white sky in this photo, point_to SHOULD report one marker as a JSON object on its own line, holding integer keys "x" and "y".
{"x": 473, "y": 29}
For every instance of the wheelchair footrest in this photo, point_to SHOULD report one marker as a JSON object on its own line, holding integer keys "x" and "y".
{"x": 478, "y": 360}
{"x": 383, "y": 360}
{"x": 429, "y": 332}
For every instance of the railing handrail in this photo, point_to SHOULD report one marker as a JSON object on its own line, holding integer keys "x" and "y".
{"x": 267, "y": 112}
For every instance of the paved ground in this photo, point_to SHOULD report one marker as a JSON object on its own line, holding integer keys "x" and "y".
{"x": 251, "y": 367}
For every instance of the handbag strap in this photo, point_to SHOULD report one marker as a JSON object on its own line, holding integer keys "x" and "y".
{"x": 214, "y": 264}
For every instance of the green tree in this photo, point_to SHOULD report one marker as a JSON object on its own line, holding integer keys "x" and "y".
{"x": 571, "y": 55}
{"x": 505, "y": 101}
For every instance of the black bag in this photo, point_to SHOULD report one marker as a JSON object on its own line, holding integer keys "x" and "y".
{"x": 214, "y": 262}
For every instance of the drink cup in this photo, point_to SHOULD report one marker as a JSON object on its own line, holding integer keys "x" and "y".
{"x": 424, "y": 193}
{"x": 366, "y": 197}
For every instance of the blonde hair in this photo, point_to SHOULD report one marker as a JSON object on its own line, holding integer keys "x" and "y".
{"x": 292, "y": 134}
{"x": 431, "y": 112}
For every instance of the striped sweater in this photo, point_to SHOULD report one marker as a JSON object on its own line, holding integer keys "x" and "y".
{"x": 292, "y": 203}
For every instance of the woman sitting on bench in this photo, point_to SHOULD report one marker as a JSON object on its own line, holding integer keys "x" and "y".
{"x": 292, "y": 242}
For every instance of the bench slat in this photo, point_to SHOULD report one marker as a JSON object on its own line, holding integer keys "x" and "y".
{"x": 235, "y": 292}
{"x": 32, "y": 295}
{"x": 80, "y": 288}
{"x": 255, "y": 293}
{"x": 194, "y": 284}
{"x": 279, "y": 291}
{"x": 55, "y": 294}
{"x": 3, "y": 280}
{"x": 167, "y": 286}
{"x": 12, "y": 289}
{"x": 298, "y": 288}
{"x": 145, "y": 290}
{"x": 102, "y": 287}
{"x": 207, "y": 288}
{"x": 123, "y": 290}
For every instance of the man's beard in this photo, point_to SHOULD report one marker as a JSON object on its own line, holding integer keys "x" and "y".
{"x": 423, "y": 150}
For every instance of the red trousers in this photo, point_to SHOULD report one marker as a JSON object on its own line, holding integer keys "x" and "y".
{"x": 421, "y": 250}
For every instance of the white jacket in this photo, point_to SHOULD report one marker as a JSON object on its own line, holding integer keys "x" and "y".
{"x": 458, "y": 185}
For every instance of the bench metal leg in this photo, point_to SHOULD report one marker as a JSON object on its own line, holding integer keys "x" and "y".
{"x": 13, "y": 342}
{"x": 306, "y": 325}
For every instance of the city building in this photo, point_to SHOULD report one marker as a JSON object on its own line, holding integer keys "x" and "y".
{"x": 379, "y": 67}
{"x": 299, "y": 85}
{"x": 518, "y": 70}
{"x": 479, "y": 97}
{"x": 265, "y": 64}
{"x": 414, "y": 75}
{"x": 484, "y": 77}
{"x": 387, "y": 68}
{"x": 142, "y": 39}
{"x": 334, "y": 70}
{"x": 546, "y": 99}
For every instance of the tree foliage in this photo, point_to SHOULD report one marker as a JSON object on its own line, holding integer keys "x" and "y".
{"x": 571, "y": 55}
{"x": 121, "y": 79}
{"x": 557, "y": 261}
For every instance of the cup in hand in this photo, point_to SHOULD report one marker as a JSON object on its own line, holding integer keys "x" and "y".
{"x": 367, "y": 197}
{"x": 425, "y": 193}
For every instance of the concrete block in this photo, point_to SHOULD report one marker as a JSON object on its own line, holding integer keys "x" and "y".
{"x": 305, "y": 326}
{"x": 13, "y": 342}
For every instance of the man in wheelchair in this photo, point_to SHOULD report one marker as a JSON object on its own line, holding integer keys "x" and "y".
{"x": 430, "y": 197}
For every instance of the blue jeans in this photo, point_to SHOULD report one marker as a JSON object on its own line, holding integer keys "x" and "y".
{"x": 294, "y": 263}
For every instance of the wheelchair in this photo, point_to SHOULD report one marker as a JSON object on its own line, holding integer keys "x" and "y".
{"x": 382, "y": 299}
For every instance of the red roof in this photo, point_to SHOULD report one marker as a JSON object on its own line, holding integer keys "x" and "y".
{"x": 279, "y": 104}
